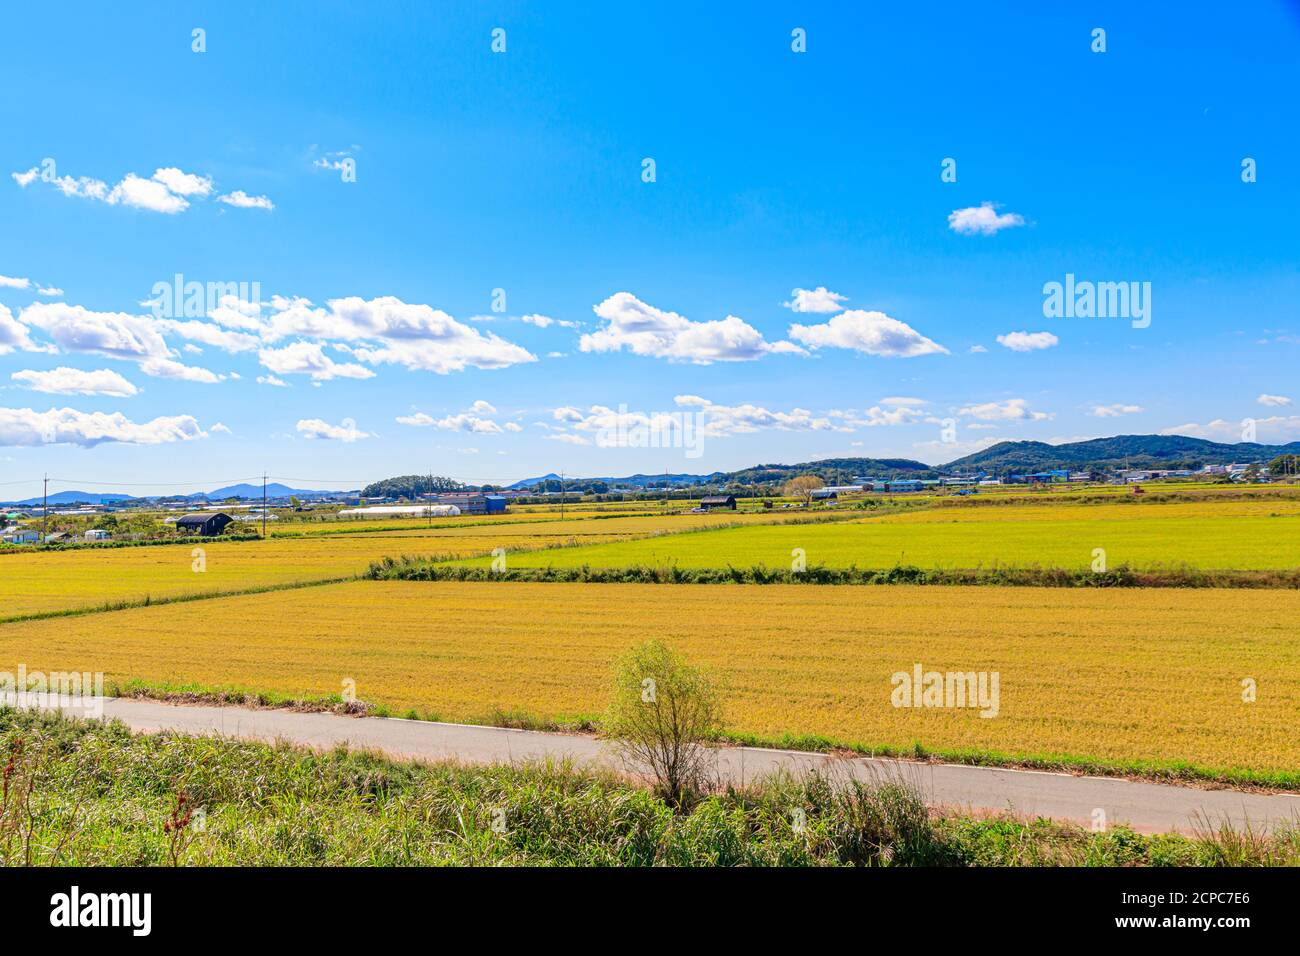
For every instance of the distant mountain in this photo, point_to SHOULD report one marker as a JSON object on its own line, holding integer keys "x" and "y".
{"x": 832, "y": 470}
{"x": 1134, "y": 451}
{"x": 273, "y": 490}
{"x": 75, "y": 498}
{"x": 638, "y": 481}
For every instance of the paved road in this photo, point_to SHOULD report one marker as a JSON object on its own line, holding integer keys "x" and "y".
{"x": 1144, "y": 806}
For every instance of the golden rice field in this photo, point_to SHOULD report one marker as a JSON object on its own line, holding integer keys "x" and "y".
{"x": 1240, "y": 535}
{"x": 1124, "y": 676}
{"x": 37, "y": 582}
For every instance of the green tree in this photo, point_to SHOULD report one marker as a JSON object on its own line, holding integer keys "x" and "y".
{"x": 662, "y": 714}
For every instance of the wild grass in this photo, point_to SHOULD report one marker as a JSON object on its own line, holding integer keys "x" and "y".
{"x": 92, "y": 794}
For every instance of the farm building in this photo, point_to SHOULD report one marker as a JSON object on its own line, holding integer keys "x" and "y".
{"x": 825, "y": 494}
{"x": 207, "y": 525}
{"x": 712, "y": 502}
{"x": 476, "y": 504}
{"x": 97, "y": 534}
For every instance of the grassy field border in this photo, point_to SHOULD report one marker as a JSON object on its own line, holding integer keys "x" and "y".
{"x": 1009, "y": 576}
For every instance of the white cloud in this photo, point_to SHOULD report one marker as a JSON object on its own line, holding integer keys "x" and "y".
{"x": 471, "y": 421}
{"x": 1028, "y": 341}
{"x": 221, "y": 427}
{"x": 112, "y": 334}
{"x": 1276, "y": 428}
{"x": 210, "y": 334}
{"x": 820, "y": 299}
{"x": 457, "y": 423}
{"x": 272, "y": 380}
{"x": 413, "y": 335}
{"x": 1274, "y": 401}
{"x": 346, "y": 432}
{"x": 146, "y": 194}
{"x": 871, "y": 332}
{"x": 309, "y": 358}
{"x": 242, "y": 200}
{"x": 50, "y": 290}
{"x": 27, "y": 427}
{"x": 14, "y": 334}
{"x": 7, "y": 282}
{"x": 568, "y": 438}
{"x": 566, "y": 413}
{"x": 977, "y": 349}
{"x": 183, "y": 184}
{"x": 72, "y": 381}
{"x": 168, "y": 368}
{"x": 645, "y": 330}
{"x": 418, "y": 420}
{"x": 25, "y": 179}
{"x": 1115, "y": 411}
{"x": 982, "y": 219}
{"x": 1013, "y": 409}
{"x": 894, "y": 400}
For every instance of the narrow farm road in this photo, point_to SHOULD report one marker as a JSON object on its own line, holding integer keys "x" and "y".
{"x": 1146, "y": 807}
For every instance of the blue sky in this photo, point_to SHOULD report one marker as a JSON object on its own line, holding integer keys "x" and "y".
{"x": 523, "y": 171}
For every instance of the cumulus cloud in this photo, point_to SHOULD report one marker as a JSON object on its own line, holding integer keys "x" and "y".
{"x": 169, "y": 190}
{"x": 644, "y": 330}
{"x": 1028, "y": 341}
{"x": 272, "y": 380}
{"x": 545, "y": 322}
{"x": 457, "y": 423}
{"x": 474, "y": 420}
{"x": 14, "y": 334}
{"x": 568, "y": 438}
{"x": 73, "y": 381}
{"x": 116, "y": 335}
{"x": 243, "y": 200}
{"x": 50, "y": 290}
{"x": 9, "y": 282}
{"x": 983, "y": 220}
{"x": 1115, "y": 411}
{"x": 182, "y": 183}
{"x": 1013, "y": 409}
{"x": 1276, "y": 428}
{"x": 221, "y": 427}
{"x": 28, "y": 427}
{"x": 871, "y": 332}
{"x": 309, "y": 358}
{"x": 315, "y": 428}
{"x": 413, "y": 335}
{"x": 1274, "y": 401}
{"x": 820, "y": 299}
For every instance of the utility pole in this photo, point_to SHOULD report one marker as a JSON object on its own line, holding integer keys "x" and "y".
{"x": 45, "y": 506}
{"x": 263, "y": 504}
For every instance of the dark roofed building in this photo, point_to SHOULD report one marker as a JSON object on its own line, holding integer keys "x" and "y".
{"x": 207, "y": 525}
{"x": 718, "y": 501}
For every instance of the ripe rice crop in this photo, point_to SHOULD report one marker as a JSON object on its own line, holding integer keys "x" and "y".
{"x": 1240, "y": 535}
{"x": 1137, "y": 677}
